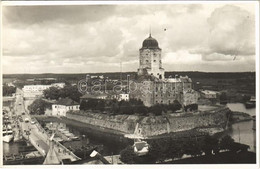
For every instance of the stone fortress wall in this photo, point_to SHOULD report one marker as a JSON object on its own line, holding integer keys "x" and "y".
{"x": 153, "y": 125}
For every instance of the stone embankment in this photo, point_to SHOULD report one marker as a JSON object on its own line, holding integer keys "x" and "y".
{"x": 239, "y": 116}
{"x": 149, "y": 126}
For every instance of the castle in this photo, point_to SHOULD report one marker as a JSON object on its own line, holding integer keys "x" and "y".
{"x": 153, "y": 87}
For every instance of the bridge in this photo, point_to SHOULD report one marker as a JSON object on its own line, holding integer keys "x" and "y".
{"x": 37, "y": 136}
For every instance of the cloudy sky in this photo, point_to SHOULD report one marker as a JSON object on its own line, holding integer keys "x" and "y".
{"x": 96, "y": 38}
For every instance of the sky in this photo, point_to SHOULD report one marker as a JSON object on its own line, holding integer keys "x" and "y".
{"x": 213, "y": 37}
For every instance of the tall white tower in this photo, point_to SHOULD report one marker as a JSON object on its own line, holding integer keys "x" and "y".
{"x": 150, "y": 58}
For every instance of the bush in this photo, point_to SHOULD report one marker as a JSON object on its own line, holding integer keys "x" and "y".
{"x": 191, "y": 107}
{"x": 127, "y": 155}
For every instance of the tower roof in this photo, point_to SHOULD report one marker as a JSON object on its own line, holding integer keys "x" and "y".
{"x": 150, "y": 43}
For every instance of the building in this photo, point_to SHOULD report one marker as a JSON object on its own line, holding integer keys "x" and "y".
{"x": 123, "y": 96}
{"x": 88, "y": 96}
{"x": 37, "y": 90}
{"x": 152, "y": 87}
{"x": 58, "y": 85}
{"x": 109, "y": 95}
{"x": 208, "y": 94}
{"x": 62, "y": 106}
{"x": 150, "y": 58}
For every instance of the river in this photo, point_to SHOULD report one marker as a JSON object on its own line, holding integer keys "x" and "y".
{"x": 242, "y": 132}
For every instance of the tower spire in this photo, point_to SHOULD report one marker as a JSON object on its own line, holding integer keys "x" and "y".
{"x": 150, "y": 32}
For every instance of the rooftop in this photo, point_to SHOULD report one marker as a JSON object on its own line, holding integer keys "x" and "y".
{"x": 66, "y": 102}
{"x": 93, "y": 96}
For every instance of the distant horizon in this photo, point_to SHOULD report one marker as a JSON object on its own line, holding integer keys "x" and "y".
{"x": 118, "y": 72}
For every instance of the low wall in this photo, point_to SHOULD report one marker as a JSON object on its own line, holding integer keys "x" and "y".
{"x": 153, "y": 125}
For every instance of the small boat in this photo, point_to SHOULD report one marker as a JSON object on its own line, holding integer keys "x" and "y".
{"x": 8, "y": 135}
{"x": 61, "y": 129}
{"x": 69, "y": 135}
{"x": 254, "y": 123}
{"x": 58, "y": 139}
{"x": 250, "y": 103}
{"x": 65, "y": 132}
{"x": 75, "y": 138}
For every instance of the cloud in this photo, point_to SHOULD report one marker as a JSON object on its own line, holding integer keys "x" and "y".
{"x": 89, "y": 38}
{"x": 29, "y": 15}
{"x": 231, "y": 33}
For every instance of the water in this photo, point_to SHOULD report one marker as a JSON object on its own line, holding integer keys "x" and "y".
{"x": 112, "y": 144}
{"x": 10, "y": 148}
{"x": 242, "y": 132}
{"x": 241, "y": 108}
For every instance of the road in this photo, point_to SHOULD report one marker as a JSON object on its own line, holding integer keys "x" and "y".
{"x": 36, "y": 134}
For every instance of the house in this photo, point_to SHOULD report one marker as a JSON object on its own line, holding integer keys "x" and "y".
{"x": 62, "y": 106}
{"x": 87, "y": 96}
{"x": 37, "y": 90}
{"x": 209, "y": 94}
{"x": 124, "y": 97}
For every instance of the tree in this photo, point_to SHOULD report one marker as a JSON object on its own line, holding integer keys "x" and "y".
{"x": 38, "y": 107}
{"x": 128, "y": 155}
{"x": 100, "y": 105}
{"x": 8, "y": 90}
{"x": 114, "y": 107}
{"x": 52, "y": 93}
{"x": 210, "y": 144}
{"x": 191, "y": 107}
{"x": 226, "y": 143}
{"x": 174, "y": 106}
{"x": 246, "y": 98}
{"x": 68, "y": 91}
{"x": 71, "y": 92}
{"x": 83, "y": 105}
{"x": 223, "y": 97}
{"x": 126, "y": 107}
{"x": 193, "y": 148}
{"x": 157, "y": 109}
{"x": 176, "y": 149}
{"x": 156, "y": 151}
{"x": 141, "y": 109}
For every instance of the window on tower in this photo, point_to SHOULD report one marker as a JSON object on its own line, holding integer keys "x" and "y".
{"x": 147, "y": 61}
{"x": 154, "y": 60}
